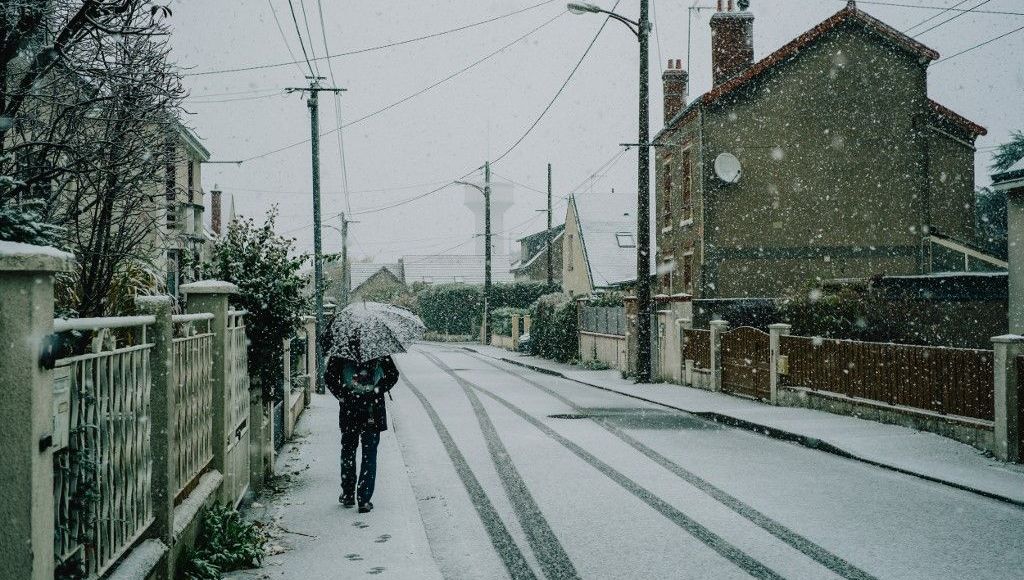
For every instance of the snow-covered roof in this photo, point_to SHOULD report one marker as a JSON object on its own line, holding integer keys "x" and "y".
{"x": 1015, "y": 171}
{"x": 359, "y": 273}
{"x": 443, "y": 268}
{"x": 601, "y": 217}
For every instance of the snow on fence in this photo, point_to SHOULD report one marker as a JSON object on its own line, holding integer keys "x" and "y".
{"x": 947, "y": 381}
{"x": 610, "y": 320}
{"x": 192, "y": 423}
{"x": 236, "y": 387}
{"x": 697, "y": 347}
{"x": 102, "y": 478}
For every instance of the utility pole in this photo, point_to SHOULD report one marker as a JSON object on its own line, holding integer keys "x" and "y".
{"x": 487, "y": 252}
{"x": 643, "y": 222}
{"x": 345, "y": 281}
{"x": 314, "y": 90}
{"x": 551, "y": 273}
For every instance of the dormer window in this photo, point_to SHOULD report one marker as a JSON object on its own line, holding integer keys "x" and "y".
{"x": 625, "y": 240}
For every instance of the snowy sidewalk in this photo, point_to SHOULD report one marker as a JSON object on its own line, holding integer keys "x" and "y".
{"x": 321, "y": 539}
{"x": 901, "y": 449}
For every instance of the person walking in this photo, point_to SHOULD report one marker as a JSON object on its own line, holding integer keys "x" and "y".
{"x": 362, "y": 416}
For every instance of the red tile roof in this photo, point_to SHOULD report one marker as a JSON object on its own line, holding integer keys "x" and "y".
{"x": 955, "y": 118}
{"x": 848, "y": 14}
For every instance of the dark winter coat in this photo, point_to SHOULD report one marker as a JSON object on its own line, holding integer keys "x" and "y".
{"x": 361, "y": 412}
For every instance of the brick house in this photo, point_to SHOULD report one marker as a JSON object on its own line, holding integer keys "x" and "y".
{"x": 833, "y": 162}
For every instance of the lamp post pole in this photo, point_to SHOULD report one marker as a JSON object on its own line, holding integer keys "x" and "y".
{"x": 642, "y": 30}
{"x": 643, "y": 217}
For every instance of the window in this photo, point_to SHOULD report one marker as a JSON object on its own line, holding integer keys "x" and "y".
{"x": 666, "y": 194}
{"x": 688, "y": 273}
{"x": 667, "y": 265}
{"x": 625, "y": 240}
{"x": 687, "y": 193}
{"x": 170, "y": 184}
{"x": 191, "y": 181}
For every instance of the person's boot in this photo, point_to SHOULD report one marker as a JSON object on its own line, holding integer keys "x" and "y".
{"x": 365, "y": 507}
{"x": 347, "y": 501}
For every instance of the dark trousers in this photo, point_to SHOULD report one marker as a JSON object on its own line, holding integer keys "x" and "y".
{"x": 367, "y": 468}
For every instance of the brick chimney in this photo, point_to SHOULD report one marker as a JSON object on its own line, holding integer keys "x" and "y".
{"x": 675, "y": 83}
{"x": 732, "y": 40}
{"x": 215, "y": 210}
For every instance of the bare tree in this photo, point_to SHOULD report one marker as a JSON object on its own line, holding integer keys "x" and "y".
{"x": 91, "y": 123}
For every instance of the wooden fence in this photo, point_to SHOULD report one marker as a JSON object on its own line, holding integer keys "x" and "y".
{"x": 949, "y": 381}
{"x": 697, "y": 347}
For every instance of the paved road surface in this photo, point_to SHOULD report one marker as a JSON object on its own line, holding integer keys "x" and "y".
{"x": 523, "y": 475}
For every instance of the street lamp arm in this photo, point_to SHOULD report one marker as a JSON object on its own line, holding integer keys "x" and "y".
{"x": 473, "y": 185}
{"x": 583, "y": 8}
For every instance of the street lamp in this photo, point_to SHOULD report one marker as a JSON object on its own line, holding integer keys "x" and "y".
{"x": 641, "y": 29}
{"x": 486, "y": 191}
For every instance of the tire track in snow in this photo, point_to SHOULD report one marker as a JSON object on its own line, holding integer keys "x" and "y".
{"x": 717, "y": 543}
{"x": 801, "y": 543}
{"x": 501, "y": 539}
{"x": 554, "y": 562}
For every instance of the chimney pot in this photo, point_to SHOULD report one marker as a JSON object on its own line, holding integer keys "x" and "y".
{"x": 732, "y": 44}
{"x": 675, "y": 82}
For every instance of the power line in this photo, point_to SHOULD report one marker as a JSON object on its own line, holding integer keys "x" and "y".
{"x": 936, "y": 15}
{"x": 337, "y": 111}
{"x": 377, "y": 47}
{"x": 657, "y": 33}
{"x": 950, "y": 19}
{"x": 309, "y": 35}
{"x": 302, "y": 45}
{"x": 376, "y": 190}
{"x": 415, "y": 94}
{"x": 284, "y": 37}
{"x": 979, "y": 45}
{"x": 232, "y": 100}
{"x": 560, "y": 89}
{"x": 918, "y": 6}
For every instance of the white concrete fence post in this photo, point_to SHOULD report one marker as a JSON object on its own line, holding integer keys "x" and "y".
{"x": 1007, "y": 427}
{"x": 775, "y": 334}
{"x": 684, "y": 325}
{"x": 718, "y": 328}
{"x": 286, "y": 387}
{"x": 26, "y": 409}
{"x": 162, "y": 405}
{"x": 212, "y": 296}
{"x": 309, "y": 322}
{"x": 515, "y": 331}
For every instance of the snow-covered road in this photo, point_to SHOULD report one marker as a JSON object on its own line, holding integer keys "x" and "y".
{"x": 524, "y": 475}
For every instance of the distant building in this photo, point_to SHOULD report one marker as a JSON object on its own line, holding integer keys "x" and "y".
{"x": 179, "y": 234}
{"x": 599, "y": 242}
{"x": 533, "y": 256}
{"x": 826, "y": 159}
{"x": 376, "y": 282}
{"x": 447, "y": 268}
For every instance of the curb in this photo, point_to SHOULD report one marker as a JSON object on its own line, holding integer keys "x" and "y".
{"x": 773, "y": 432}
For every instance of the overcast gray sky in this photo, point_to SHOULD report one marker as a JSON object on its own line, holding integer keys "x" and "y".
{"x": 451, "y": 129}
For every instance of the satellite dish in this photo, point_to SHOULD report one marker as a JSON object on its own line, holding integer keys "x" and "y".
{"x": 728, "y": 168}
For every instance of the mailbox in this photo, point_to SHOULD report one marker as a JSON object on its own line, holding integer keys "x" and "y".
{"x": 61, "y": 407}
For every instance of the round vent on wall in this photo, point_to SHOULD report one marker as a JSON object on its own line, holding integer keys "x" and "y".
{"x": 728, "y": 168}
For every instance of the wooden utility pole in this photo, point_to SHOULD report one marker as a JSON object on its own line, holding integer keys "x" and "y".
{"x": 487, "y": 252}
{"x": 551, "y": 272}
{"x": 314, "y": 90}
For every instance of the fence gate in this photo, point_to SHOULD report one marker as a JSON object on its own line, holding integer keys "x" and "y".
{"x": 745, "y": 362}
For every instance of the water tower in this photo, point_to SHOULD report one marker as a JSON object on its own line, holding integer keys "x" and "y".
{"x": 502, "y": 198}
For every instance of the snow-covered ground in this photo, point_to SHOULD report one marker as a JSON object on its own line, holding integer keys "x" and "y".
{"x": 508, "y": 472}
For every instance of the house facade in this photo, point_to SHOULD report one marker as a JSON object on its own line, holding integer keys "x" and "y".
{"x": 533, "y": 256}
{"x": 376, "y": 282}
{"x": 179, "y": 233}
{"x": 826, "y": 159}
{"x": 599, "y": 242}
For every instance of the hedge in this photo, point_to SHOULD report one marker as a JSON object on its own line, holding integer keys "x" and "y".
{"x": 555, "y": 328}
{"x": 450, "y": 308}
{"x": 457, "y": 308}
